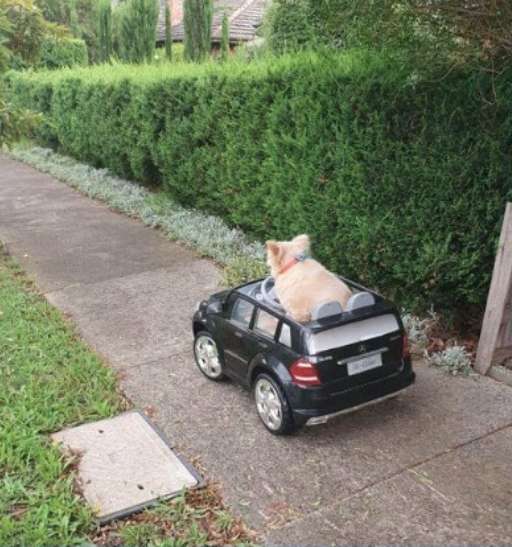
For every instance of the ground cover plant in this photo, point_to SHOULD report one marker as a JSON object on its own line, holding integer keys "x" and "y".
{"x": 50, "y": 379}
{"x": 385, "y": 169}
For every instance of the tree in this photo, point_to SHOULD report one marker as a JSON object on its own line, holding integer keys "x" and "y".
{"x": 168, "y": 33}
{"x": 430, "y": 33}
{"x": 197, "y": 20}
{"x": 105, "y": 30}
{"x": 5, "y": 29}
{"x": 80, "y": 16}
{"x": 73, "y": 23}
{"x": 137, "y": 30}
{"x": 224, "y": 46}
{"x": 27, "y": 30}
{"x": 14, "y": 122}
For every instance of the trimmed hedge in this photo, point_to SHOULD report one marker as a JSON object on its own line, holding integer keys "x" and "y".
{"x": 63, "y": 52}
{"x": 402, "y": 183}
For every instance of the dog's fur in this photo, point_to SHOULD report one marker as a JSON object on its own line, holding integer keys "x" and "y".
{"x": 306, "y": 284}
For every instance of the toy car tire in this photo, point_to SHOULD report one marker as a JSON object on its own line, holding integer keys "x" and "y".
{"x": 206, "y": 355}
{"x": 272, "y": 406}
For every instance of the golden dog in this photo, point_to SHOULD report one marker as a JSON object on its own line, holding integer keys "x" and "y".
{"x": 301, "y": 283}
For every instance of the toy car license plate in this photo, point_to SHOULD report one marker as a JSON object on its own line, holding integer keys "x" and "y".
{"x": 366, "y": 363}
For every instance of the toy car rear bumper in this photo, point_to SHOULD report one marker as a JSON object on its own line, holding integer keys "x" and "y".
{"x": 318, "y": 407}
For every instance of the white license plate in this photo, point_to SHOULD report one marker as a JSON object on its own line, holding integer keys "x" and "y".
{"x": 366, "y": 363}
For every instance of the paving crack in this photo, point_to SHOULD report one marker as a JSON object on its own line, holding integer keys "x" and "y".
{"x": 51, "y": 293}
{"x": 181, "y": 353}
{"x": 408, "y": 469}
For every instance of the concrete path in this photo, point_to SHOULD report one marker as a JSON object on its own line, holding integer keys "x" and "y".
{"x": 432, "y": 466}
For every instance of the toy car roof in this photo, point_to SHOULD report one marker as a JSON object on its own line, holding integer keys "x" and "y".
{"x": 251, "y": 290}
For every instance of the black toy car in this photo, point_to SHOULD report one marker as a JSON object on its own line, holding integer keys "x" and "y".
{"x": 303, "y": 373}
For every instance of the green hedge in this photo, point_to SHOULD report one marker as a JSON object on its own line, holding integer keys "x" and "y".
{"x": 63, "y": 52}
{"x": 402, "y": 183}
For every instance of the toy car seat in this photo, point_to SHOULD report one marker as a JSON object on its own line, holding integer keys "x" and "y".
{"x": 356, "y": 301}
{"x": 327, "y": 309}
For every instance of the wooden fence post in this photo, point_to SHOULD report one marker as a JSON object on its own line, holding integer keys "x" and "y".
{"x": 495, "y": 344}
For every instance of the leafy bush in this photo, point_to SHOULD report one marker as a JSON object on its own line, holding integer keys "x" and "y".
{"x": 419, "y": 329}
{"x": 15, "y": 122}
{"x": 454, "y": 360}
{"x": 400, "y": 180}
{"x": 63, "y": 52}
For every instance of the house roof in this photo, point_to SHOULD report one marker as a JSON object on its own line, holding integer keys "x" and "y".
{"x": 245, "y": 17}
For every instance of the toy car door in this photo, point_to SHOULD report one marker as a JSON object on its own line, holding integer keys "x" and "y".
{"x": 237, "y": 341}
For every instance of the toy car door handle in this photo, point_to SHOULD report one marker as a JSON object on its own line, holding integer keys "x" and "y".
{"x": 238, "y": 334}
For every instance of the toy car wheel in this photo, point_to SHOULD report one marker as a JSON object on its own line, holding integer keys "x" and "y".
{"x": 272, "y": 406}
{"x": 207, "y": 356}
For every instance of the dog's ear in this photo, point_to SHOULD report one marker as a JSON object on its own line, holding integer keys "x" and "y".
{"x": 302, "y": 242}
{"x": 273, "y": 248}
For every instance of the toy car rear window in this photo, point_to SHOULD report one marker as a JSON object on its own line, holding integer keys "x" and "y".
{"x": 351, "y": 333}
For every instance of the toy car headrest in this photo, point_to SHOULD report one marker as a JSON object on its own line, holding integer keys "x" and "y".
{"x": 326, "y": 310}
{"x": 360, "y": 300}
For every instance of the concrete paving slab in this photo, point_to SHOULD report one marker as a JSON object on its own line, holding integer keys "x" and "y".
{"x": 460, "y": 497}
{"x": 106, "y": 248}
{"x": 124, "y": 464}
{"x": 272, "y": 480}
{"x": 64, "y": 239}
{"x": 140, "y": 318}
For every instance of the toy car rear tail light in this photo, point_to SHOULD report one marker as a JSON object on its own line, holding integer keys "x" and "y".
{"x": 405, "y": 347}
{"x": 304, "y": 374}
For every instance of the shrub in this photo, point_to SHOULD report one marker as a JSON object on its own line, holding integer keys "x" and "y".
{"x": 63, "y": 52}
{"x": 401, "y": 181}
{"x": 419, "y": 329}
{"x": 454, "y": 360}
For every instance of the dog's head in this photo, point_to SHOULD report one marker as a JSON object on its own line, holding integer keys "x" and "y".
{"x": 280, "y": 253}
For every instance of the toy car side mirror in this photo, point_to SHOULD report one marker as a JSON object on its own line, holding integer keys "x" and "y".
{"x": 215, "y": 307}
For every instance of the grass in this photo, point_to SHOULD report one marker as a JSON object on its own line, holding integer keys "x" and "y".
{"x": 50, "y": 379}
{"x": 194, "y": 518}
